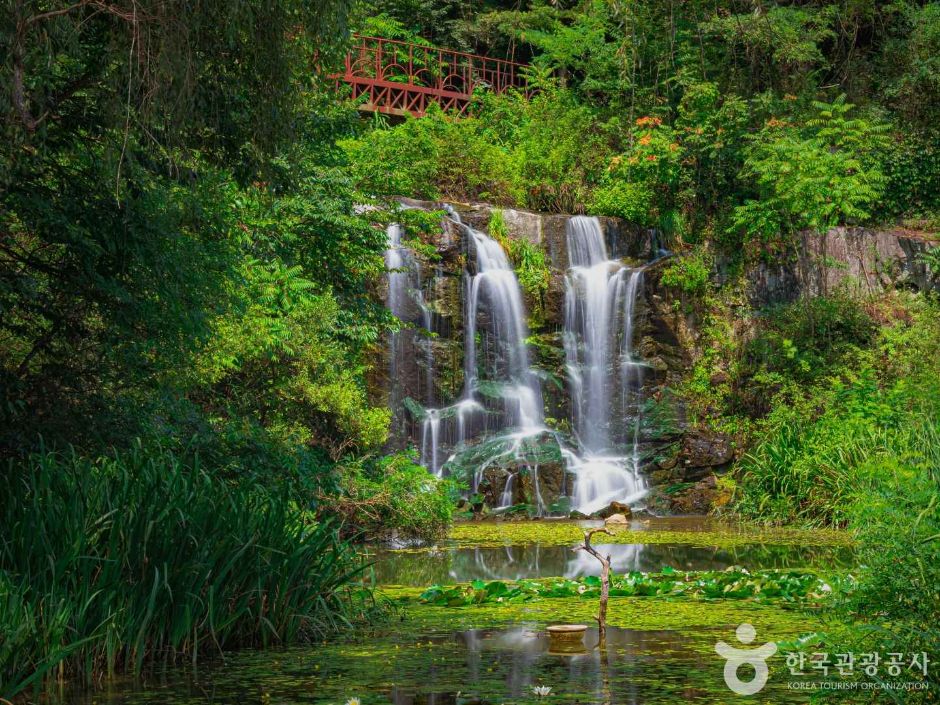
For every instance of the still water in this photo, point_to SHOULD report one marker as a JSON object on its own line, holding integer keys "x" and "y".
{"x": 658, "y": 651}
{"x": 457, "y": 565}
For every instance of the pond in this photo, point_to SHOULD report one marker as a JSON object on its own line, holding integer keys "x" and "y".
{"x": 656, "y": 651}
{"x": 542, "y": 549}
{"x": 460, "y": 565}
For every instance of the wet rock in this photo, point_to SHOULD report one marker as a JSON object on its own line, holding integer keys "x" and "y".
{"x": 575, "y": 514}
{"x": 720, "y": 377}
{"x": 494, "y": 485}
{"x": 534, "y": 468}
{"x": 702, "y": 450}
{"x": 545, "y": 482}
{"x": 702, "y": 497}
{"x": 616, "y": 520}
{"x": 615, "y": 508}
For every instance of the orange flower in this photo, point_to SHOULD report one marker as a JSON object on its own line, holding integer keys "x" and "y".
{"x": 648, "y": 121}
{"x": 790, "y": 97}
{"x": 645, "y": 139}
{"x": 774, "y": 122}
{"x": 651, "y": 157}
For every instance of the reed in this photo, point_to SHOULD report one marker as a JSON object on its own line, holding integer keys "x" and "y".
{"x": 109, "y": 564}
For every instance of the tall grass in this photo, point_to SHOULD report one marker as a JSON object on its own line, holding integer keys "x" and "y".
{"x": 109, "y": 564}
{"x": 808, "y": 462}
{"x": 864, "y": 452}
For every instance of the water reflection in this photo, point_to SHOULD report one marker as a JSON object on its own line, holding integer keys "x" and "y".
{"x": 488, "y": 666}
{"x": 596, "y": 672}
{"x": 534, "y": 561}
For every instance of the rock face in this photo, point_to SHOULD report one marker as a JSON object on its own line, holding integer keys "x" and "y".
{"x": 702, "y": 497}
{"x": 431, "y": 372}
{"x": 859, "y": 260}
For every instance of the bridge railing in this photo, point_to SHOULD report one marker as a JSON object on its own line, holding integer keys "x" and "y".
{"x": 400, "y": 77}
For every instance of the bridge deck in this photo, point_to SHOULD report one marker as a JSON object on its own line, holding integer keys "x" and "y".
{"x": 400, "y": 78}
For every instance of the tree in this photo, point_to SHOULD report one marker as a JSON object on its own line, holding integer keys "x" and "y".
{"x": 814, "y": 175}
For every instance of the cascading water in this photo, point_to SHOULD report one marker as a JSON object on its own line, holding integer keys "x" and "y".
{"x": 605, "y": 378}
{"x": 494, "y": 289}
{"x": 405, "y": 299}
{"x": 498, "y": 420}
{"x": 501, "y": 396}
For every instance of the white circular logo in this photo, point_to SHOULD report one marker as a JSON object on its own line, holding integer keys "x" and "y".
{"x": 756, "y": 657}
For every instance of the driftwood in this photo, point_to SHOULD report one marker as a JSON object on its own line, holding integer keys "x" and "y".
{"x": 605, "y": 579}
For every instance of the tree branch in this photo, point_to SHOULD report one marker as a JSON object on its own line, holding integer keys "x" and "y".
{"x": 605, "y": 579}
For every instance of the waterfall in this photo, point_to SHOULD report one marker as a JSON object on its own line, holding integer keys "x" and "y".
{"x": 495, "y": 289}
{"x": 501, "y": 397}
{"x": 498, "y": 418}
{"x": 405, "y": 299}
{"x": 605, "y": 377}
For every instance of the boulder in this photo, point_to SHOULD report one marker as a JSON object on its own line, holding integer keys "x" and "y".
{"x": 702, "y": 450}
{"x": 546, "y": 481}
{"x": 616, "y": 520}
{"x": 494, "y": 484}
{"x": 615, "y": 508}
{"x": 702, "y": 497}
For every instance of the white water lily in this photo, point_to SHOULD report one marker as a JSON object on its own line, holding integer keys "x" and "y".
{"x": 541, "y": 690}
{"x": 354, "y": 701}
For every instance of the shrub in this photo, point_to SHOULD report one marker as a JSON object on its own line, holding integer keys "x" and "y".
{"x": 527, "y": 259}
{"x": 393, "y": 497}
{"x": 96, "y": 576}
{"x": 815, "y": 175}
{"x": 437, "y": 156}
{"x": 817, "y": 448}
{"x": 630, "y": 201}
{"x": 804, "y": 341}
{"x": 689, "y": 273}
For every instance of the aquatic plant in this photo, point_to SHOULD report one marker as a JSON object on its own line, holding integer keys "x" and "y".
{"x": 734, "y": 583}
{"x": 109, "y": 564}
{"x": 570, "y": 533}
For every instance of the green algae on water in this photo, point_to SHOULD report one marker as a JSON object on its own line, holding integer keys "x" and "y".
{"x": 713, "y": 535}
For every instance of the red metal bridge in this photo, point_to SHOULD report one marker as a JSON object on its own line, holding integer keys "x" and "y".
{"x": 400, "y": 78}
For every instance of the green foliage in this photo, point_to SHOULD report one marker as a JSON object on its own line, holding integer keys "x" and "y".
{"x": 912, "y": 169}
{"x": 779, "y": 39}
{"x": 912, "y": 66}
{"x": 732, "y": 584}
{"x": 819, "y": 443}
{"x": 711, "y": 75}
{"x": 544, "y": 154}
{"x": 689, "y": 273}
{"x": 107, "y": 564}
{"x": 806, "y": 341}
{"x": 815, "y": 176}
{"x": 622, "y": 199}
{"x": 527, "y": 259}
{"x": 897, "y": 521}
{"x": 393, "y": 498}
{"x": 559, "y": 150}
{"x": 436, "y": 156}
